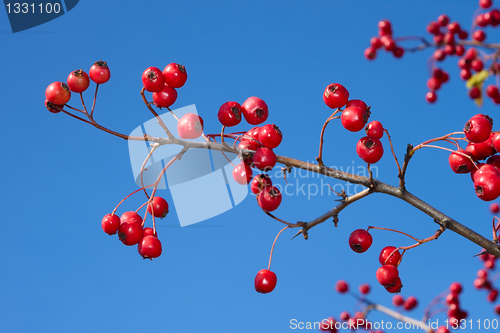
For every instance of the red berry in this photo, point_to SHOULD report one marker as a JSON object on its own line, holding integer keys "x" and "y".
{"x": 254, "y": 110}
{"x": 460, "y": 49}
{"x": 452, "y": 299}
{"x": 395, "y": 288}
{"x": 478, "y": 128}
{"x": 269, "y": 198}
{"x": 438, "y": 38}
{"x": 360, "y": 240}
{"x": 398, "y": 52}
{"x": 454, "y": 27}
{"x": 370, "y": 53}
{"x": 328, "y": 325}
{"x": 270, "y": 136}
{"x": 265, "y": 281}
{"x": 389, "y": 256}
{"x": 481, "y": 21}
{"x": 465, "y": 74}
{"x": 253, "y": 133}
{"x": 460, "y": 163}
{"x": 58, "y": 93}
{"x": 462, "y": 34}
{"x": 443, "y": 20}
{"x": 159, "y": 207}
{"x": 477, "y": 65}
{"x": 398, "y": 300}
{"x": 433, "y": 84}
{"x": 494, "y": 208}
{"x": 456, "y": 288}
{"x": 152, "y": 79}
{"x": 375, "y": 43}
{"x": 354, "y": 118}
{"x": 485, "y": 3}
{"x": 131, "y": 217}
{"x": 54, "y": 108}
{"x": 387, "y": 275}
{"x": 130, "y": 233}
{"x": 242, "y": 174}
{"x": 99, "y": 72}
{"x": 110, "y": 224}
{"x": 369, "y": 149}
{"x": 493, "y": 295}
{"x": 496, "y": 141}
{"x": 264, "y": 159}
{"x": 341, "y": 286}
{"x": 375, "y": 129}
{"x": 175, "y": 75}
{"x": 249, "y": 144}
{"x": 487, "y": 183}
{"x": 335, "y": 96}
{"x": 410, "y": 303}
{"x": 260, "y": 182}
{"x": 492, "y": 91}
{"x": 165, "y": 97}
{"x": 433, "y": 27}
{"x": 497, "y": 309}
{"x": 385, "y": 25}
{"x": 439, "y": 54}
{"x": 364, "y": 288}
{"x": 78, "y": 81}
{"x": 431, "y": 96}
{"x": 345, "y": 316}
{"x": 190, "y": 126}
{"x": 471, "y": 54}
{"x": 229, "y": 114}
{"x": 149, "y": 247}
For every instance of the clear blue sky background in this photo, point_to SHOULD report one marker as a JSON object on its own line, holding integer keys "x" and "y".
{"x": 60, "y": 273}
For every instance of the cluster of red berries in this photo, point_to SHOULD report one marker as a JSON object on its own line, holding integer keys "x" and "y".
{"x": 58, "y": 93}
{"x": 455, "y": 314}
{"x": 408, "y": 304}
{"x": 482, "y": 281}
{"x": 131, "y": 231}
{"x": 483, "y": 144}
{"x": 354, "y": 118}
{"x": 261, "y": 140}
{"x": 385, "y": 41}
{"x": 163, "y": 85}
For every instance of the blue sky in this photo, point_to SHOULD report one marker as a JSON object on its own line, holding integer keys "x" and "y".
{"x": 59, "y": 271}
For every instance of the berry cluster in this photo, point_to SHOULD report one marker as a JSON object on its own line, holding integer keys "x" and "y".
{"x": 354, "y": 118}
{"x": 449, "y": 39}
{"x": 483, "y": 279}
{"x": 483, "y": 144}
{"x": 131, "y": 230}
{"x": 454, "y": 313}
{"x": 58, "y": 93}
{"x": 409, "y": 304}
{"x": 385, "y": 41}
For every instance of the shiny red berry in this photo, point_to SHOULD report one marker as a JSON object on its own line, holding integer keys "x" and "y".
{"x": 431, "y": 96}
{"x": 229, "y": 114}
{"x": 354, "y": 118}
{"x": 443, "y": 20}
{"x": 54, "y": 108}
{"x": 487, "y": 183}
{"x": 175, "y": 75}
{"x": 130, "y": 217}
{"x": 369, "y": 149}
{"x": 78, "y": 81}
{"x": 264, "y": 159}
{"x": 389, "y": 256}
{"x": 375, "y": 129}
{"x": 270, "y": 136}
{"x": 364, "y": 288}
{"x": 370, "y": 53}
{"x": 398, "y": 300}
{"x": 456, "y": 288}
{"x": 360, "y": 240}
{"x": 410, "y": 303}
{"x": 110, "y": 224}
{"x": 395, "y": 287}
{"x": 269, "y": 198}
{"x": 99, "y": 72}
{"x": 130, "y": 233}
{"x": 165, "y": 97}
{"x": 494, "y": 208}
{"x": 485, "y": 3}
{"x": 58, "y": 93}
{"x": 260, "y": 182}
{"x": 152, "y": 79}
{"x": 335, "y": 96}
{"x": 265, "y": 281}
{"x": 190, "y": 126}
{"x": 255, "y": 110}
{"x": 460, "y": 163}
{"x": 478, "y": 128}
{"x": 159, "y": 207}
{"x": 387, "y": 275}
{"x": 479, "y": 35}
{"x": 149, "y": 247}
